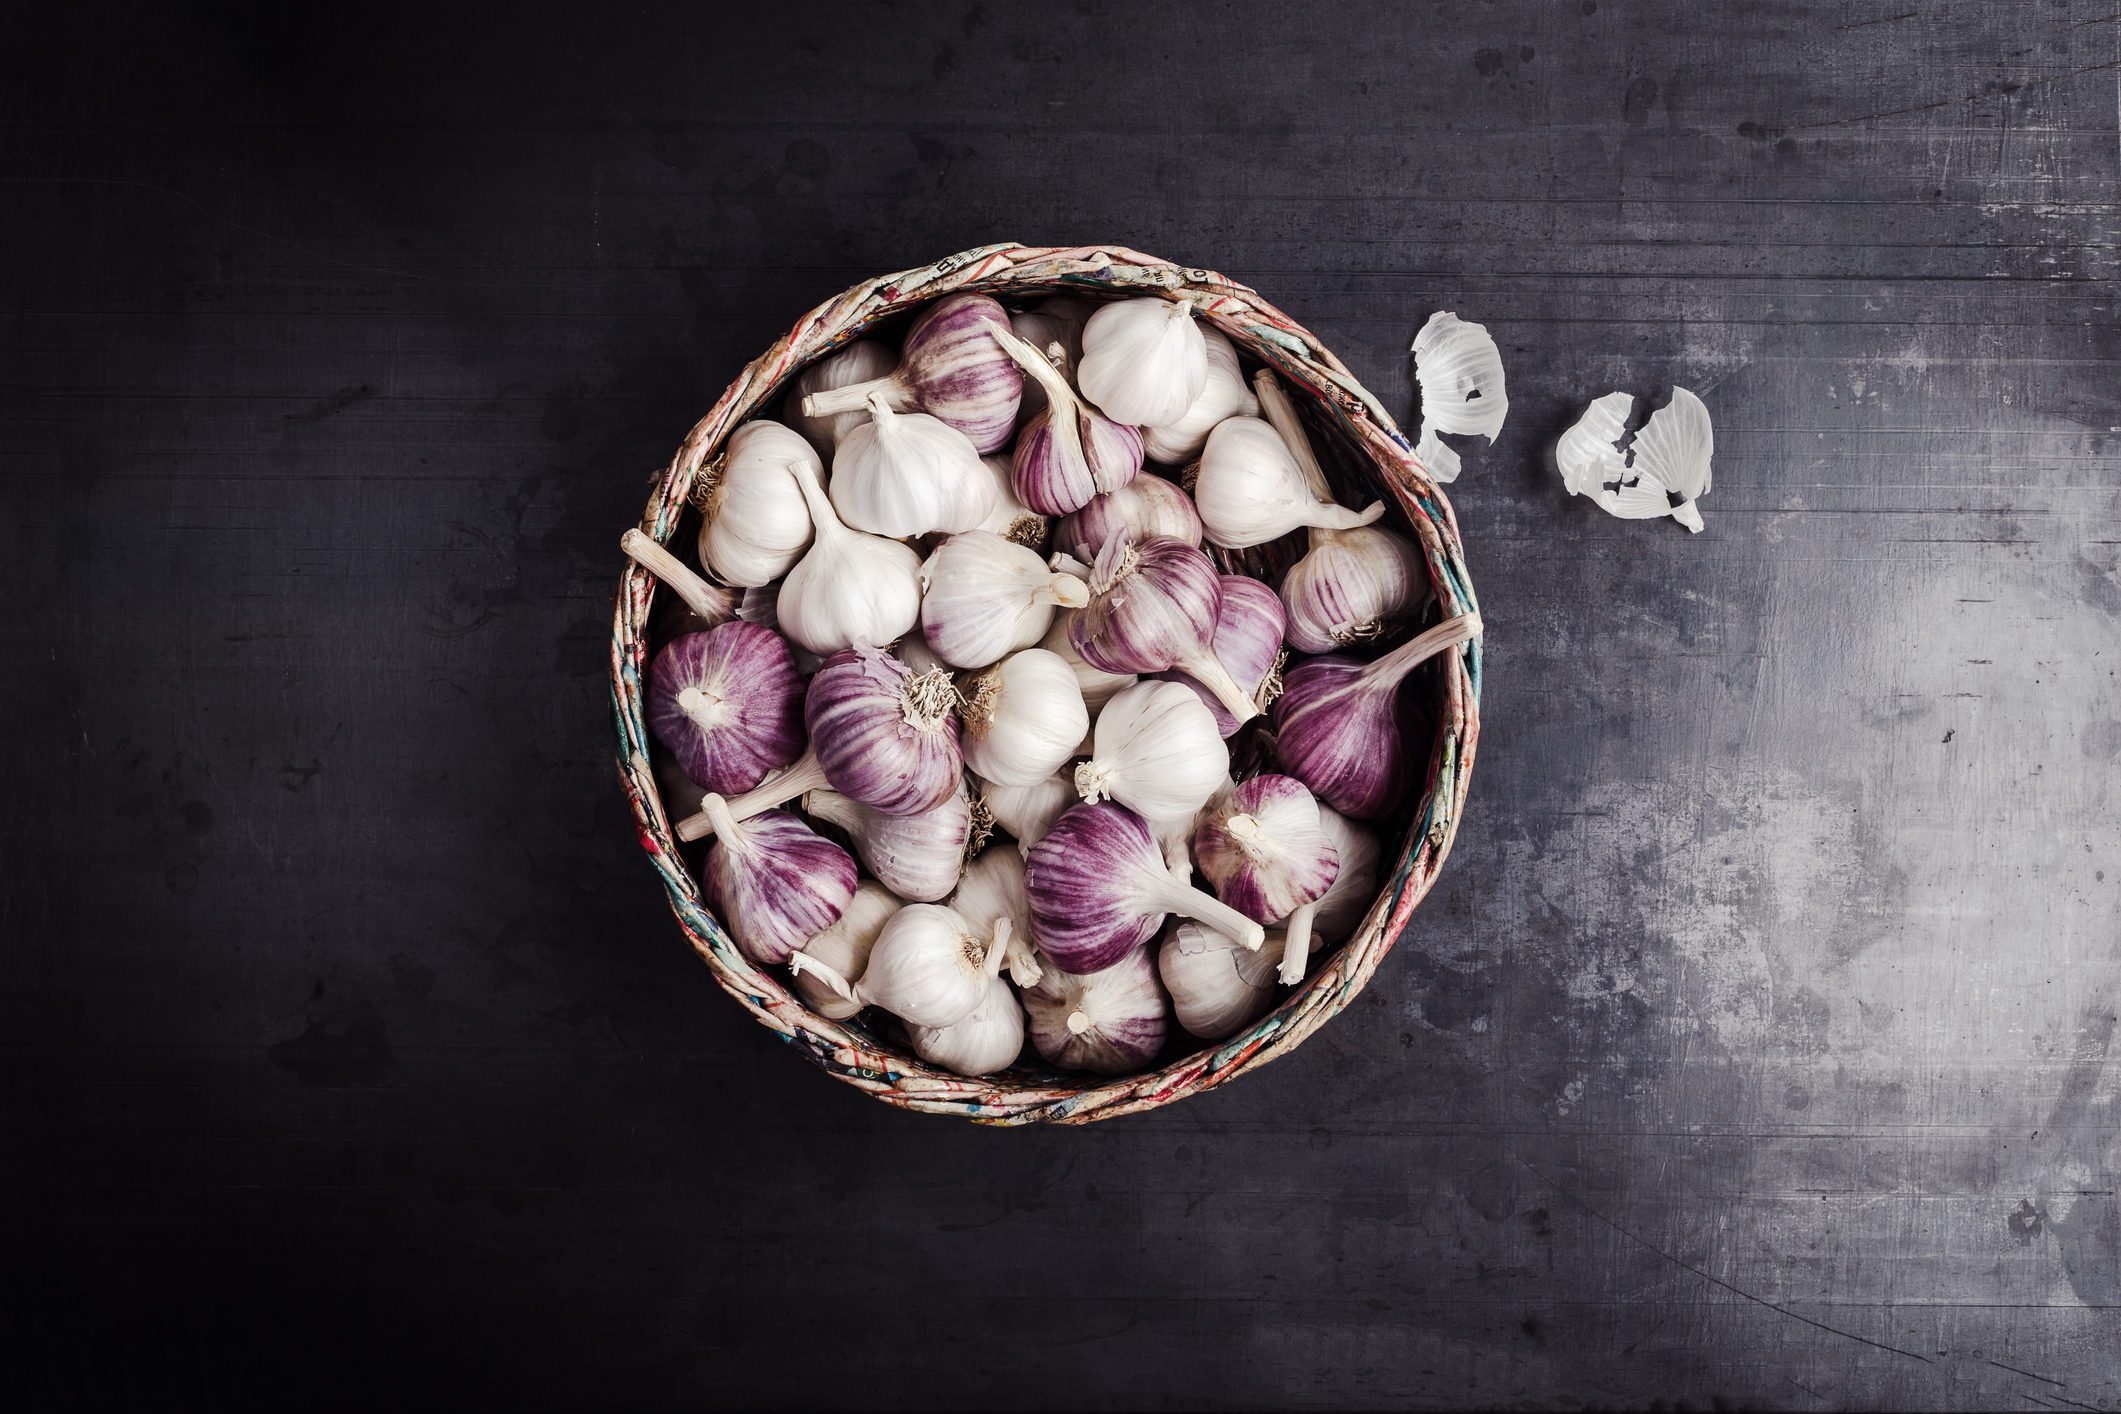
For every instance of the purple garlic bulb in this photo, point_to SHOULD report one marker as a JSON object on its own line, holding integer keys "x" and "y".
{"x": 950, "y": 368}
{"x": 727, "y": 704}
{"x": 774, "y": 883}
{"x": 1111, "y": 1021}
{"x": 1248, "y": 631}
{"x": 1069, "y": 452}
{"x": 1146, "y": 506}
{"x": 1098, "y": 888}
{"x": 1153, "y": 606}
{"x": 1263, "y": 848}
{"x": 918, "y": 857}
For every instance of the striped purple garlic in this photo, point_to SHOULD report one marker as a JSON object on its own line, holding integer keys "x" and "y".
{"x": 728, "y": 704}
{"x": 1144, "y": 507}
{"x": 1111, "y": 1021}
{"x": 951, "y": 368}
{"x": 1352, "y": 586}
{"x": 1153, "y": 607}
{"x": 1068, "y": 452}
{"x": 918, "y": 857}
{"x": 1339, "y": 723}
{"x": 1263, "y": 848}
{"x": 1248, "y": 631}
{"x": 774, "y": 883}
{"x": 1098, "y": 887}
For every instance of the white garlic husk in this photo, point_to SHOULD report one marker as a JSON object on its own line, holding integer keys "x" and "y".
{"x": 925, "y": 968}
{"x": 1351, "y": 587}
{"x": 863, "y": 361}
{"x": 844, "y": 947}
{"x": 1027, "y": 813}
{"x": 1462, "y": 391}
{"x": 1250, "y": 489}
{"x": 1012, "y": 519}
{"x": 1111, "y": 1021}
{"x": 987, "y": 1040}
{"x": 1335, "y": 913}
{"x": 849, "y": 587}
{"x": 1144, "y": 361}
{"x": 1022, "y": 718}
{"x": 986, "y": 597}
{"x": 990, "y": 898}
{"x": 1223, "y": 395}
{"x": 1097, "y": 686}
{"x": 907, "y": 473}
{"x": 1156, "y": 750}
{"x": 1661, "y": 469}
{"x": 918, "y": 857}
{"x": 755, "y": 524}
{"x": 1217, "y": 985}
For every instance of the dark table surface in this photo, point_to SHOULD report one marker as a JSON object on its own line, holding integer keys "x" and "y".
{"x": 1752, "y": 1049}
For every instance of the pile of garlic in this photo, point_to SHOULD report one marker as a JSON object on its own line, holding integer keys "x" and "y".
{"x": 891, "y": 664}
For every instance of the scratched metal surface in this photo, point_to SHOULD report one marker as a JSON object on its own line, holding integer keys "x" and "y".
{"x": 1753, "y": 1051}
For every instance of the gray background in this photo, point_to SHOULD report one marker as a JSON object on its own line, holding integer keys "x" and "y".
{"x": 1752, "y": 1049}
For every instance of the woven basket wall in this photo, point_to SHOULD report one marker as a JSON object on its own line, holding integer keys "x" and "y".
{"x": 1362, "y": 448}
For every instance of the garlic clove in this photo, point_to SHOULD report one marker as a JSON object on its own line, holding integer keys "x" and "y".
{"x": 1263, "y": 848}
{"x": 728, "y": 704}
{"x": 1144, "y": 361}
{"x": 1223, "y": 395}
{"x": 849, "y": 587}
{"x": 1023, "y": 718}
{"x": 988, "y": 1039}
{"x": 1460, "y": 372}
{"x": 906, "y": 473}
{"x": 1661, "y": 469}
{"x": 773, "y": 882}
{"x": 1217, "y": 986}
{"x": 1109, "y": 1022}
{"x": 754, "y": 522}
{"x": 986, "y": 597}
{"x": 919, "y": 857}
{"x": 1334, "y": 914}
{"x": 844, "y": 948}
{"x": 1156, "y": 750}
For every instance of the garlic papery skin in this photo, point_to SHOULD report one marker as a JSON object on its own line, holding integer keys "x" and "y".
{"x": 863, "y": 361}
{"x": 1262, "y": 848}
{"x": 844, "y": 947}
{"x": 918, "y": 857}
{"x": 1249, "y": 623}
{"x": 906, "y": 474}
{"x": 1069, "y": 452}
{"x": 1028, "y": 812}
{"x": 1251, "y": 490}
{"x": 1098, "y": 886}
{"x": 1153, "y": 607}
{"x": 1155, "y": 751}
{"x": 1144, "y": 361}
{"x": 1334, "y": 914}
{"x": 774, "y": 883}
{"x": 1146, "y": 506}
{"x": 1012, "y": 519}
{"x": 728, "y": 704}
{"x": 986, "y": 1041}
{"x": 986, "y": 597}
{"x": 991, "y": 895}
{"x": 1217, "y": 986}
{"x": 755, "y": 523}
{"x": 1097, "y": 686}
{"x": 849, "y": 587}
{"x": 926, "y": 967}
{"x": 1659, "y": 470}
{"x": 1353, "y": 586}
{"x": 711, "y": 603}
{"x": 1460, "y": 372}
{"x": 1337, "y": 723}
{"x": 949, "y": 368}
{"x": 1110, "y": 1021}
{"x": 1023, "y": 718}
{"x": 1223, "y": 395}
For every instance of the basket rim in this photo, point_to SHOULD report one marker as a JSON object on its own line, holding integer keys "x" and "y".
{"x": 1310, "y": 371}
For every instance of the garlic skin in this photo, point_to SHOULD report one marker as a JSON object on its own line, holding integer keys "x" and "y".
{"x": 1098, "y": 887}
{"x": 774, "y": 884}
{"x": 1023, "y": 718}
{"x": 1011, "y": 519}
{"x": 918, "y": 857}
{"x": 1156, "y": 751}
{"x": 1250, "y": 489}
{"x": 1144, "y": 361}
{"x": 728, "y": 704}
{"x": 844, "y": 947}
{"x": 755, "y": 525}
{"x": 986, "y": 597}
{"x": 1027, "y": 813}
{"x": 987, "y": 1040}
{"x": 1224, "y": 395}
{"x": 1249, "y": 623}
{"x": 1070, "y": 452}
{"x": 1109, "y": 1022}
{"x": 1351, "y": 587}
{"x": 1660, "y": 470}
{"x": 1153, "y": 607}
{"x": 849, "y": 587}
{"x": 1146, "y": 506}
{"x": 991, "y": 894}
{"x": 1263, "y": 850}
{"x": 1462, "y": 388}
{"x": 1334, "y": 914}
{"x": 863, "y": 361}
{"x": 949, "y": 368}
{"x": 1097, "y": 686}
{"x": 906, "y": 474}
{"x": 711, "y": 604}
{"x": 925, "y": 969}
{"x": 1216, "y": 986}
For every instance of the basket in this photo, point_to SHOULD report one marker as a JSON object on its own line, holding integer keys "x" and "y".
{"x": 1370, "y": 449}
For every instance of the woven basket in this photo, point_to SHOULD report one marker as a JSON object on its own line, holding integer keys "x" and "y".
{"x": 1362, "y": 448}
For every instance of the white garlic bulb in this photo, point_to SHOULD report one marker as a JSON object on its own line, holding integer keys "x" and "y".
{"x": 1250, "y": 489}
{"x": 1217, "y": 985}
{"x": 907, "y": 473}
{"x": 990, "y": 898}
{"x": 1028, "y": 812}
{"x": 1156, "y": 751}
{"x": 925, "y": 968}
{"x": 756, "y": 524}
{"x": 986, "y": 597}
{"x": 1022, "y": 718}
{"x": 985, "y": 1041}
{"x": 849, "y": 587}
{"x": 1098, "y": 686}
{"x": 1012, "y": 519}
{"x": 1144, "y": 361}
{"x": 844, "y": 947}
{"x": 1223, "y": 395}
{"x": 863, "y": 361}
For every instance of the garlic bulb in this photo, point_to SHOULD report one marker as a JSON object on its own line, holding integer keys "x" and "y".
{"x": 1659, "y": 470}
{"x": 1053, "y": 322}
{"x": 1022, "y": 718}
{"x": 1012, "y": 519}
{"x": 711, "y": 604}
{"x": 1098, "y": 886}
{"x": 1097, "y": 685}
{"x": 1263, "y": 850}
{"x": 949, "y": 368}
{"x": 1223, "y": 395}
{"x": 1070, "y": 452}
{"x": 918, "y": 857}
{"x": 1146, "y": 506}
{"x": 926, "y": 968}
{"x": 1248, "y": 632}
{"x": 844, "y": 947}
{"x": 1028, "y": 812}
{"x": 774, "y": 883}
{"x": 1110, "y": 1021}
{"x": 1144, "y": 361}
{"x": 1337, "y": 722}
{"x": 1217, "y": 986}
{"x": 1460, "y": 372}
{"x": 985, "y": 1041}
{"x": 1336, "y": 912}
{"x": 1155, "y": 751}
{"x": 863, "y": 361}
{"x": 1153, "y": 607}
{"x": 986, "y": 597}
{"x": 1250, "y": 489}
{"x": 728, "y": 704}
{"x": 756, "y": 525}
{"x": 906, "y": 473}
{"x": 914, "y": 652}
{"x": 991, "y": 894}
{"x": 849, "y": 587}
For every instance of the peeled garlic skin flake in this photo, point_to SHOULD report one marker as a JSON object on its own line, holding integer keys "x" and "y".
{"x": 1659, "y": 470}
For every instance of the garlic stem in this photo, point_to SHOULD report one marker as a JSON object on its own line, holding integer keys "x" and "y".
{"x": 1078, "y": 1022}
{"x": 1064, "y": 410}
{"x": 800, "y": 962}
{"x": 804, "y": 776}
{"x": 1281, "y": 415}
{"x": 1066, "y": 590}
{"x": 998, "y": 949}
{"x": 823, "y": 519}
{"x": 1296, "y": 945}
{"x": 1207, "y": 670}
{"x": 1182, "y": 898}
{"x": 711, "y": 602}
{"x": 856, "y": 396}
{"x": 1024, "y": 969}
{"x": 1402, "y": 660}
